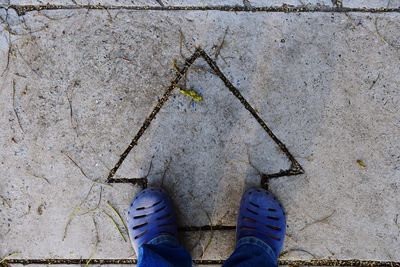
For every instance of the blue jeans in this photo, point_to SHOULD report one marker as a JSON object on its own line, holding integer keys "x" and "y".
{"x": 165, "y": 251}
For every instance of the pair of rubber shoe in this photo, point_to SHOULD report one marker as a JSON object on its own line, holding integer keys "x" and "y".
{"x": 151, "y": 214}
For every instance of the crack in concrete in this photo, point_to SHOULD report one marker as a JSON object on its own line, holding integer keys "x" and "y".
{"x": 160, "y": 2}
{"x": 15, "y": 108}
{"x": 152, "y": 115}
{"x": 314, "y": 262}
{"x": 383, "y": 38}
{"x": 295, "y": 167}
{"x": 23, "y": 9}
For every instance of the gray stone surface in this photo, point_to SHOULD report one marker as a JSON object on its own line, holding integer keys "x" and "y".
{"x": 205, "y": 145}
{"x": 248, "y": 3}
{"x": 172, "y": 2}
{"x": 76, "y": 86}
{"x": 128, "y": 2}
{"x": 372, "y": 3}
{"x": 260, "y": 3}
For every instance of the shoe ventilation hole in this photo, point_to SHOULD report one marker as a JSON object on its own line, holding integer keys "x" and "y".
{"x": 146, "y": 207}
{"x": 141, "y": 234}
{"x": 254, "y": 204}
{"x": 139, "y": 226}
{"x": 248, "y": 219}
{"x": 160, "y": 209}
{"x": 252, "y": 211}
{"x": 139, "y": 216}
{"x": 273, "y": 237}
{"x": 273, "y": 227}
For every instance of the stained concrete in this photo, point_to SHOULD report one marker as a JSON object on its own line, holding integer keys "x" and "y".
{"x": 77, "y": 85}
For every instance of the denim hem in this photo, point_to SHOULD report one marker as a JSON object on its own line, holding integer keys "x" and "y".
{"x": 164, "y": 238}
{"x": 251, "y": 240}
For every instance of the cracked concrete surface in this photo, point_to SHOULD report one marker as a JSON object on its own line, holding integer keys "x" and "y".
{"x": 171, "y": 2}
{"x": 76, "y": 85}
{"x": 372, "y": 3}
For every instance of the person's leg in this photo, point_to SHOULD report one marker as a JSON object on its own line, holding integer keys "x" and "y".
{"x": 153, "y": 231}
{"x": 260, "y": 231}
{"x": 163, "y": 251}
{"x": 251, "y": 252}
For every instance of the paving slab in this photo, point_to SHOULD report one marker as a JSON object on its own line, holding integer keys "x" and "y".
{"x": 277, "y": 3}
{"x": 359, "y": 4}
{"x": 371, "y": 3}
{"x": 127, "y": 3}
{"x": 167, "y": 3}
{"x": 77, "y": 86}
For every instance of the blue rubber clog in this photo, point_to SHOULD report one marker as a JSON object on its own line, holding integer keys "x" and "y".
{"x": 262, "y": 216}
{"x": 150, "y": 215}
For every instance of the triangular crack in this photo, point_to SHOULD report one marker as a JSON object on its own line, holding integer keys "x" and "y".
{"x": 295, "y": 167}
